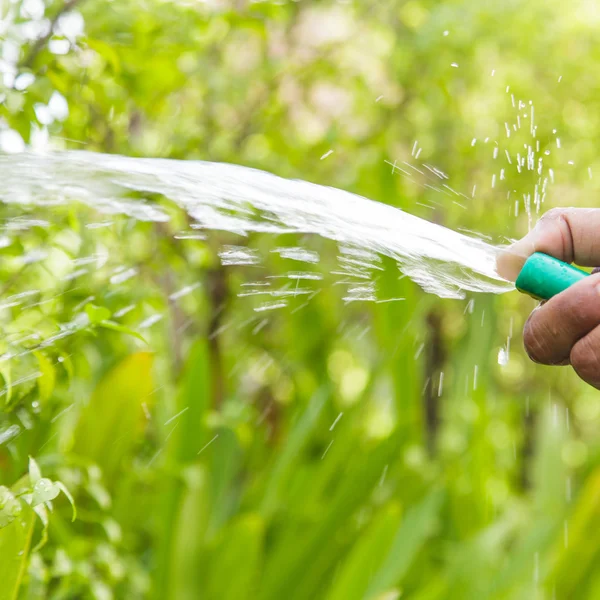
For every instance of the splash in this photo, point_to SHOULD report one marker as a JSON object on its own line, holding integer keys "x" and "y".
{"x": 242, "y": 200}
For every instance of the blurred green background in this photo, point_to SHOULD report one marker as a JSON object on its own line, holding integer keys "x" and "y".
{"x": 339, "y": 451}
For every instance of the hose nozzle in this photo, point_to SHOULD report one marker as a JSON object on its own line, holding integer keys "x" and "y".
{"x": 544, "y": 276}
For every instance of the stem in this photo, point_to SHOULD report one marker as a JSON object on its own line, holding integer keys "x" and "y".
{"x": 25, "y": 555}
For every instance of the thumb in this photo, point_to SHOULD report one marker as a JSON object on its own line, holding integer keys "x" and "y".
{"x": 569, "y": 234}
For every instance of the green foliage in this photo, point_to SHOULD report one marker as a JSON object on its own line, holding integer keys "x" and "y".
{"x": 332, "y": 449}
{"x": 30, "y": 496}
{"x": 15, "y": 544}
{"x": 106, "y": 430}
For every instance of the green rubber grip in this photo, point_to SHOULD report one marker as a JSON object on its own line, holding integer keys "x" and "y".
{"x": 544, "y": 276}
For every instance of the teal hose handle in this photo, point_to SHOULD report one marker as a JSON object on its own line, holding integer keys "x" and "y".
{"x": 544, "y": 276}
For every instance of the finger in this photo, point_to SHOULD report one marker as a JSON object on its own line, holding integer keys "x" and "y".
{"x": 585, "y": 357}
{"x": 555, "y": 327}
{"x": 569, "y": 234}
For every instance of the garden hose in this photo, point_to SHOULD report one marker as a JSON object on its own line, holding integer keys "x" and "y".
{"x": 544, "y": 276}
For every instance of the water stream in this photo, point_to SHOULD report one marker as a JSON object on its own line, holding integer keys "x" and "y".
{"x": 241, "y": 200}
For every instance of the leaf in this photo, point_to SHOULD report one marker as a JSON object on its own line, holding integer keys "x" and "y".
{"x": 306, "y": 555}
{"x": 365, "y": 558}
{"x": 122, "y": 329}
{"x": 10, "y": 507}
{"x": 108, "y": 426}
{"x": 96, "y": 314}
{"x": 63, "y": 488}
{"x": 549, "y": 472}
{"x": 5, "y": 371}
{"x": 42, "y": 512}
{"x": 44, "y": 490}
{"x": 575, "y": 562}
{"x": 187, "y": 536}
{"x": 521, "y": 561}
{"x": 15, "y": 543}
{"x": 179, "y": 548}
{"x": 194, "y": 398}
{"x": 47, "y": 379}
{"x": 290, "y": 453}
{"x": 34, "y": 471}
{"x": 416, "y": 527}
{"x": 107, "y": 52}
{"x": 67, "y": 363}
{"x": 241, "y": 553}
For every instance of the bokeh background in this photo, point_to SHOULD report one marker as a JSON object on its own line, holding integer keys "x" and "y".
{"x": 343, "y": 450}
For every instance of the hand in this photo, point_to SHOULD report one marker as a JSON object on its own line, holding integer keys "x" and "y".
{"x": 565, "y": 329}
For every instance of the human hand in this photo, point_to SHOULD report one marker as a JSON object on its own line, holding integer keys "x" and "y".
{"x": 565, "y": 329}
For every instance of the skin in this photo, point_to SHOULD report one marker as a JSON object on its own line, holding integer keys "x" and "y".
{"x": 565, "y": 330}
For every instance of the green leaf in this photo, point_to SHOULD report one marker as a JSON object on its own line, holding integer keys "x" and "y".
{"x": 549, "y": 472}
{"x": 107, "y": 52}
{"x": 188, "y": 438}
{"x": 241, "y": 553}
{"x": 10, "y": 507}
{"x": 577, "y": 560}
{"x": 47, "y": 379}
{"x": 34, "y": 471}
{"x": 97, "y": 314}
{"x": 109, "y": 425}
{"x": 286, "y": 458}
{"x": 42, "y": 512}
{"x": 122, "y": 329}
{"x": 415, "y": 529}
{"x": 187, "y": 536}
{"x": 6, "y": 373}
{"x": 15, "y": 543}
{"x": 307, "y": 556}
{"x": 194, "y": 398}
{"x": 63, "y": 488}
{"x": 365, "y": 558}
{"x": 44, "y": 490}
{"x": 67, "y": 363}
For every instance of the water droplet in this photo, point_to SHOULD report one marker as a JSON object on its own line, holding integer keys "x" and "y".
{"x": 502, "y": 357}
{"x": 9, "y": 434}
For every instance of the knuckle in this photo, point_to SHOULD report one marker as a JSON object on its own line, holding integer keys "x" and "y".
{"x": 556, "y": 224}
{"x": 554, "y": 214}
{"x": 582, "y": 313}
{"x": 535, "y": 341}
{"x": 585, "y": 359}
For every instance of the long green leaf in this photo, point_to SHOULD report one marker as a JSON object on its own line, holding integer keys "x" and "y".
{"x": 235, "y": 564}
{"x": 109, "y": 424}
{"x": 15, "y": 546}
{"x": 179, "y": 490}
{"x": 416, "y": 528}
{"x": 287, "y": 456}
{"x": 185, "y": 579}
{"x": 366, "y": 556}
